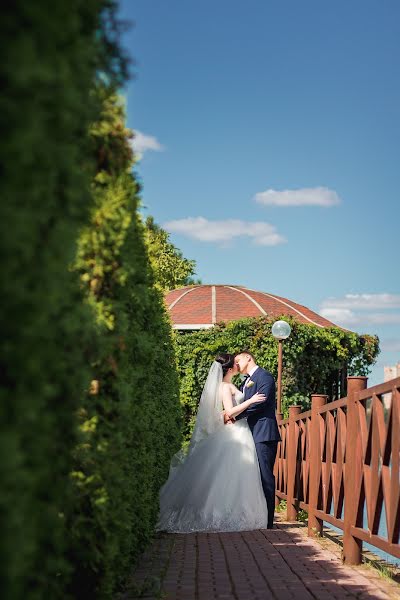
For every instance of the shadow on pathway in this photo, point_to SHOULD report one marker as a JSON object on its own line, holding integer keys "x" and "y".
{"x": 256, "y": 565}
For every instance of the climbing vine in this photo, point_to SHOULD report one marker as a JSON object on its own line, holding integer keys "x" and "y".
{"x": 315, "y": 359}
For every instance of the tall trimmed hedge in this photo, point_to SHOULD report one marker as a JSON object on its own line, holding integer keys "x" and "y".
{"x": 315, "y": 360}
{"x": 52, "y": 54}
{"x": 89, "y": 399}
{"x": 130, "y": 420}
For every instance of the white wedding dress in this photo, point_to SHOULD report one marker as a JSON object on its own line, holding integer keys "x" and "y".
{"x": 217, "y": 487}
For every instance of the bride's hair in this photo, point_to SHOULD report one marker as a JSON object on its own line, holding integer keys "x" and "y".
{"x": 226, "y": 360}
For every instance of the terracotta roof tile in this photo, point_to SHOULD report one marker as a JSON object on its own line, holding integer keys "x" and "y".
{"x": 204, "y": 305}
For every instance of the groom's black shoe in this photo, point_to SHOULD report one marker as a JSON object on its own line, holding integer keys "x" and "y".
{"x": 270, "y": 526}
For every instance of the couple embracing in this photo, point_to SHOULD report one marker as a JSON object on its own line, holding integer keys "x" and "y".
{"x": 225, "y": 482}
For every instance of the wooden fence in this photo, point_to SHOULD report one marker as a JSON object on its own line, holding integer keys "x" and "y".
{"x": 339, "y": 461}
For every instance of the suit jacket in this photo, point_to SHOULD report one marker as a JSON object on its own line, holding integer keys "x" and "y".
{"x": 261, "y": 416}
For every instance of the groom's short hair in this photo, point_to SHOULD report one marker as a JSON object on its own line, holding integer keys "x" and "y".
{"x": 245, "y": 352}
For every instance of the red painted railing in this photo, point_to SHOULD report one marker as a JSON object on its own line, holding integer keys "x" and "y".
{"x": 340, "y": 461}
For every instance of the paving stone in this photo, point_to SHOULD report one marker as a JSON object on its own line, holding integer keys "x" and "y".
{"x": 279, "y": 564}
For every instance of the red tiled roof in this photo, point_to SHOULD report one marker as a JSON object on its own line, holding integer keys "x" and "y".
{"x": 201, "y": 306}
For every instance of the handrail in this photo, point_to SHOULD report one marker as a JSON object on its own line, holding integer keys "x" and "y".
{"x": 340, "y": 461}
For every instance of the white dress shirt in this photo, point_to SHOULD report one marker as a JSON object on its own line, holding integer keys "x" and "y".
{"x": 254, "y": 369}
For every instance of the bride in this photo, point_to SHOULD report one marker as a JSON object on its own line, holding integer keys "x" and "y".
{"x": 217, "y": 485}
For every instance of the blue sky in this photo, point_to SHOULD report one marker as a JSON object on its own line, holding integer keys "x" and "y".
{"x": 269, "y": 136}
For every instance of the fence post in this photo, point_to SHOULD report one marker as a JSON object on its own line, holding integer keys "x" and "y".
{"x": 292, "y": 508}
{"x": 314, "y": 524}
{"x": 352, "y": 546}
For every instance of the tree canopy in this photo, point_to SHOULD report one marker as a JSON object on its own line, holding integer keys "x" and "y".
{"x": 171, "y": 269}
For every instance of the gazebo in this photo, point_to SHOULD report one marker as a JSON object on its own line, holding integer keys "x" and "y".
{"x": 202, "y": 306}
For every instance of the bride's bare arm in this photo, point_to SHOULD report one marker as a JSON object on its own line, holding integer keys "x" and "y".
{"x": 231, "y": 410}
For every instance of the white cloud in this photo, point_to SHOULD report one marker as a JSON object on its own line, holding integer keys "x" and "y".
{"x": 141, "y": 143}
{"x": 199, "y": 228}
{"x": 364, "y": 301}
{"x": 359, "y": 309}
{"x": 319, "y": 196}
{"x": 339, "y": 316}
{"x": 344, "y": 316}
{"x": 382, "y": 318}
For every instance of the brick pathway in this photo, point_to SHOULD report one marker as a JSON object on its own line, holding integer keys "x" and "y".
{"x": 257, "y": 565}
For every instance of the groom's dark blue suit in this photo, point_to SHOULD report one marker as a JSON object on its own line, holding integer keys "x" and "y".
{"x": 262, "y": 422}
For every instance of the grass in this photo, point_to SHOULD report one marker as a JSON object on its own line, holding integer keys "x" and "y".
{"x": 281, "y": 506}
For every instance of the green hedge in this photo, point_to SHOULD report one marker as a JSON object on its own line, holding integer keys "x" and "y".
{"x": 315, "y": 360}
{"x": 52, "y": 53}
{"x": 130, "y": 423}
{"x": 82, "y": 463}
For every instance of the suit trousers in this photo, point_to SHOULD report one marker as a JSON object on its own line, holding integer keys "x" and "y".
{"x": 266, "y": 453}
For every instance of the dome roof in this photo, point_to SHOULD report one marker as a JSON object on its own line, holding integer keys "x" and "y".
{"x": 201, "y": 306}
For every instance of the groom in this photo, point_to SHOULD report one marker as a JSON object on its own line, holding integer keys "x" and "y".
{"x": 262, "y": 422}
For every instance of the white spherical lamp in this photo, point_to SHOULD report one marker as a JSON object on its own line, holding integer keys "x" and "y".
{"x": 281, "y": 330}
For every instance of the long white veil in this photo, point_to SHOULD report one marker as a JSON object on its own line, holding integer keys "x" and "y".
{"x": 209, "y": 414}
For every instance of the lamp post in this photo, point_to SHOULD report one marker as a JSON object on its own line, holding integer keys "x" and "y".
{"x": 281, "y": 331}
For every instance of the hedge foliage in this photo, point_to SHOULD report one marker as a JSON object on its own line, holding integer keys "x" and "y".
{"x": 315, "y": 360}
{"x": 52, "y": 54}
{"x": 81, "y": 462}
{"x": 130, "y": 421}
